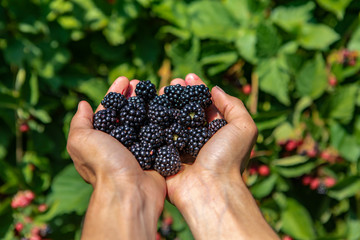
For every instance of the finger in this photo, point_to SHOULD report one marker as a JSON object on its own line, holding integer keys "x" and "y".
{"x": 173, "y": 82}
{"x": 193, "y": 79}
{"x": 131, "y": 89}
{"x": 120, "y": 85}
{"x": 212, "y": 113}
{"x": 83, "y": 118}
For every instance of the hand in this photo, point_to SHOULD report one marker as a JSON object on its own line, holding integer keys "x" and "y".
{"x": 127, "y": 201}
{"x": 210, "y": 193}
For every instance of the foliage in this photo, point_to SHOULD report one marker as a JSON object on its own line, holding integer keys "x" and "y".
{"x": 294, "y": 63}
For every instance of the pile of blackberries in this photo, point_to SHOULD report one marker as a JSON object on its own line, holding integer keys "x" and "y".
{"x": 158, "y": 129}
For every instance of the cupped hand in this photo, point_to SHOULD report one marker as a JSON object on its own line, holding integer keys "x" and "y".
{"x": 101, "y": 159}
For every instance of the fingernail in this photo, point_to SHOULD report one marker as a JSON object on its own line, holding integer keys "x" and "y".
{"x": 219, "y": 88}
{"x": 192, "y": 76}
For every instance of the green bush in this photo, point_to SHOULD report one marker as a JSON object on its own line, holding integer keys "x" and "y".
{"x": 295, "y": 64}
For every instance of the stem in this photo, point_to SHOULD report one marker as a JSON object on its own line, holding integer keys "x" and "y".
{"x": 254, "y": 93}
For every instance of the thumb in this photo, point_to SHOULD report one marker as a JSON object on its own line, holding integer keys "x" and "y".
{"x": 83, "y": 119}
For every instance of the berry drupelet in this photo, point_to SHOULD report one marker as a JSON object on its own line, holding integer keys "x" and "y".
{"x": 176, "y": 135}
{"x": 153, "y": 134}
{"x": 160, "y": 115}
{"x": 124, "y": 134}
{"x": 197, "y": 93}
{"x": 216, "y": 124}
{"x": 146, "y": 90}
{"x": 192, "y": 115}
{"x": 144, "y": 154}
{"x": 197, "y": 138}
{"x": 114, "y": 101}
{"x": 133, "y": 114}
{"x": 105, "y": 120}
{"x": 162, "y": 100}
{"x": 167, "y": 161}
{"x": 173, "y": 93}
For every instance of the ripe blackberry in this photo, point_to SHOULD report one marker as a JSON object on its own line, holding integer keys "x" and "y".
{"x": 124, "y": 134}
{"x": 161, "y": 100}
{"x": 136, "y": 99}
{"x": 144, "y": 154}
{"x": 160, "y": 115}
{"x": 192, "y": 115}
{"x": 146, "y": 90}
{"x": 153, "y": 134}
{"x": 114, "y": 101}
{"x": 105, "y": 120}
{"x": 176, "y": 135}
{"x": 216, "y": 124}
{"x": 133, "y": 114}
{"x": 174, "y": 92}
{"x": 197, "y": 138}
{"x": 197, "y": 93}
{"x": 167, "y": 161}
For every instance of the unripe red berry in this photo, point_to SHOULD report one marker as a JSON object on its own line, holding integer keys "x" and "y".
{"x": 42, "y": 207}
{"x": 329, "y": 181}
{"x": 332, "y": 81}
{"x": 286, "y": 237}
{"x": 291, "y": 145}
{"x": 19, "y": 226}
{"x": 314, "y": 183}
{"x": 24, "y": 127}
{"x": 264, "y": 170}
{"x": 253, "y": 170}
{"x": 29, "y": 195}
{"x": 246, "y": 89}
{"x": 311, "y": 153}
{"x": 168, "y": 221}
{"x": 306, "y": 180}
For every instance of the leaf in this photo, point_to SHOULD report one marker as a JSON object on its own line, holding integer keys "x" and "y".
{"x": 345, "y": 188}
{"x": 94, "y": 88}
{"x": 296, "y": 171}
{"x": 69, "y": 194}
{"x": 337, "y": 7}
{"x": 300, "y": 106}
{"x": 246, "y": 45}
{"x": 296, "y": 221}
{"x": 283, "y": 132}
{"x": 267, "y": 41}
{"x": 341, "y": 104}
{"x": 274, "y": 79}
{"x": 292, "y": 18}
{"x": 290, "y": 161}
{"x": 354, "y": 43}
{"x": 312, "y": 78}
{"x": 317, "y": 36}
{"x": 347, "y": 144}
{"x": 264, "y": 187}
{"x": 210, "y": 19}
{"x": 353, "y": 223}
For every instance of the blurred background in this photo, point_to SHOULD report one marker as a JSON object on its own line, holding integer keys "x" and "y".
{"x": 295, "y": 64}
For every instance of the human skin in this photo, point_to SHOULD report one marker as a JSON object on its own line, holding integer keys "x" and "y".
{"x": 210, "y": 193}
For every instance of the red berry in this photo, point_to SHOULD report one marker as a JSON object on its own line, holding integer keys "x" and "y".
{"x": 311, "y": 153}
{"x": 314, "y": 183}
{"x": 19, "y": 226}
{"x": 253, "y": 170}
{"x": 42, "y": 207}
{"x": 24, "y": 127}
{"x": 29, "y": 195}
{"x": 158, "y": 236}
{"x": 332, "y": 81}
{"x": 264, "y": 170}
{"x": 306, "y": 180}
{"x": 168, "y": 221}
{"x": 286, "y": 237}
{"x": 291, "y": 145}
{"x": 246, "y": 89}
{"x": 329, "y": 181}
{"x": 252, "y": 154}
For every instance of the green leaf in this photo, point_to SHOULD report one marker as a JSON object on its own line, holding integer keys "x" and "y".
{"x": 353, "y": 223}
{"x": 312, "y": 78}
{"x": 94, "y": 88}
{"x": 283, "y": 132}
{"x": 34, "y": 88}
{"x": 347, "y": 144}
{"x": 317, "y": 36}
{"x": 296, "y": 171}
{"x": 300, "y": 106}
{"x": 290, "y": 161}
{"x": 210, "y": 19}
{"x": 341, "y": 104}
{"x": 337, "y": 7}
{"x": 274, "y": 79}
{"x": 268, "y": 41}
{"x": 264, "y": 187}
{"x": 246, "y": 45}
{"x": 345, "y": 188}
{"x": 69, "y": 194}
{"x": 292, "y": 18}
{"x": 354, "y": 43}
{"x": 296, "y": 221}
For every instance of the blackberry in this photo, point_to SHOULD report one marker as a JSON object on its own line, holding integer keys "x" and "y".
{"x": 153, "y": 134}
{"x": 136, "y": 100}
{"x": 105, "y": 120}
{"x": 192, "y": 115}
{"x": 216, "y": 124}
{"x": 114, "y": 101}
{"x": 177, "y": 136}
{"x": 133, "y": 114}
{"x": 174, "y": 92}
{"x": 161, "y": 100}
{"x": 146, "y": 90}
{"x": 124, "y": 134}
{"x": 144, "y": 154}
{"x": 197, "y": 93}
{"x": 167, "y": 161}
{"x": 160, "y": 115}
{"x": 197, "y": 138}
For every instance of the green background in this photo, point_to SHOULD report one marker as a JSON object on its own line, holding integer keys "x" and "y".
{"x": 55, "y": 53}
